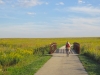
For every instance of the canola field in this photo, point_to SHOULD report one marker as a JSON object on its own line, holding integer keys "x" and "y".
{"x": 21, "y": 51}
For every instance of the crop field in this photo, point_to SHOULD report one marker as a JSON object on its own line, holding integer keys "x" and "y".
{"x": 17, "y": 54}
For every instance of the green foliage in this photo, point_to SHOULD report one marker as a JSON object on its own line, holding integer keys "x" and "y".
{"x": 9, "y": 58}
{"x": 91, "y": 66}
{"x": 41, "y": 50}
{"x": 92, "y": 49}
{"x": 31, "y": 68}
{"x": 18, "y": 53}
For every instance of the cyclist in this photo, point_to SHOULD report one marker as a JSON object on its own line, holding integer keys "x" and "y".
{"x": 68, "y": 48}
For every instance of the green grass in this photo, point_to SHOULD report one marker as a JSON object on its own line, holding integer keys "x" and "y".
{"x": 22, "y": 50}
{"x": 91, "y": 66}
{"x": 29, "y": 69}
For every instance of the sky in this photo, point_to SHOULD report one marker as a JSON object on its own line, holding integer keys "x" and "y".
{"x": 49, "y": 18}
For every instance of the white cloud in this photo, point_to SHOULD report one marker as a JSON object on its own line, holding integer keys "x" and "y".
{"x": 29, "y": 3}
{"x": 90, "y": 10}
{"x": 60, "y": 3}
{"x": 87, "y": 10}
{"x": 80, "y": 1}
{"x": 45, "y": 13}
{"x": 79, "y": 21}
{"x": 26, "y": 30}
{"x": 1, "y": 2}
{"x": 31, "y": 13}
{"x": 46, "y": 3}
{"x": 60, "y": 27}
{"x": 79, "y": 26}
{"x": 87, "y": 21}
{"x": 89, "y": 4}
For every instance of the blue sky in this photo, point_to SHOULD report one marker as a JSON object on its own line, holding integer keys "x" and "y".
{"x": 49, "y": 18}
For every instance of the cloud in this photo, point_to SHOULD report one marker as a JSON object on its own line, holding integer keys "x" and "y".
{"x": 46, "y": 3}
{"x": 90, "y": 10}
{"x": 79, "y": 21}
{"x": 58, "y": 27}
{"x": 31, "y": 13}
{"x": 44, "y": 12}
{"x": 1, "y": 2}
{"x": 84, "y": 9}
{"x": 89, "y": 4}
{"x": 26, "y": 30}
{"x": 24, "y": 3}
{"x": 80, "y": 1}
{"x": 86, "y": 23}
{"x": 60, "y": 3}
{"x": 29, "y": 3}
{"x": 79, "y": 26}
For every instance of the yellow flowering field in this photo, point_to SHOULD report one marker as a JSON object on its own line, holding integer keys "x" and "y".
{"x": 14, "y": 50}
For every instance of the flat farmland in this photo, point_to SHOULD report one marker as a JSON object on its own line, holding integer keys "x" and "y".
{"x": 18, "y": 57}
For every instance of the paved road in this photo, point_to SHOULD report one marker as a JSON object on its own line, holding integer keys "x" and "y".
{"x": 60, "y": 64}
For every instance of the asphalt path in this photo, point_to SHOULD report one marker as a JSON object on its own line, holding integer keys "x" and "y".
{"x": 61, "y": 64}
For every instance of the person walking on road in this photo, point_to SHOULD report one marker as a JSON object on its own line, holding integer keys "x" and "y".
{"x": 68, "y": 48}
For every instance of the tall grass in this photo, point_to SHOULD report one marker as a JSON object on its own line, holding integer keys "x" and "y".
{"x": 92, "y": 49}
{"x": 15, "y": 52}
{"x": 22, "y": 52}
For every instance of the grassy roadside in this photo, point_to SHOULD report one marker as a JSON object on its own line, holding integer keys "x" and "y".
{"x": 33, "y": 67}
{"x": 29, "y": 69}
{"x": 91, "y": 66}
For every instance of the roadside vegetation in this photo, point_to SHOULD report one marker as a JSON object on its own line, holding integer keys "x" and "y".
{"x": 24, "y": 56}
{"x": 90, "y": 56}
{"x": 91, "y": 66}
